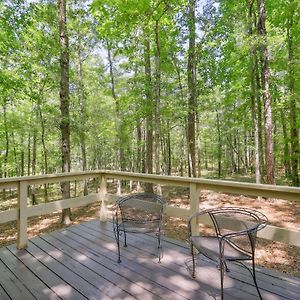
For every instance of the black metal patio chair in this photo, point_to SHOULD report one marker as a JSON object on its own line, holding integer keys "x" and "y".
{"x": 229, "y": 234}
{"x": 138, "y": 213}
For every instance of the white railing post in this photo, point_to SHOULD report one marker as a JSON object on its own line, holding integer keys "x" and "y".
{"x": 22, "y": 215}
{"x": 102, "y": 194}
{"x": 194, "y": 205}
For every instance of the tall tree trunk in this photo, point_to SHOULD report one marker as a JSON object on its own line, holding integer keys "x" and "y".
{"x": 286, "y": 151}
{"x": 265, "y": 76}
{"x": 149, "y": 120}
{"x": 253, "y": 92}
{"x": 33, "y": 163}
{"x": 293, "y": 97}
{"x": 192, "y": 97}
{"x": 259, "y": 118}
{"x": 82, "y": 118}
{"x": 119, "y": 152}
{"x": 219, "y": 146}
{"x": 157, "y": 106}
{"x": 5, "y": 167}
{"x": 29, "y": 154}
{"x": 184, "y": 136}
{"x": 22, "y": 157}
{"x": 64, "y": 104}
{"x": 139, "y": 146}
{"x": 44, "y": 148}
{"x": 198, "y": 145}
{"x": 169, "y": 169}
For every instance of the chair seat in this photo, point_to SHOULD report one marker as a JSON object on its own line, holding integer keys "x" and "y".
{"x": 209, "y": 246}
{"x": 139, "y": 226}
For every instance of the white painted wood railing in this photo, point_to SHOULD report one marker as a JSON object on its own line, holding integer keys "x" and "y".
{"x": 195, "y": 185}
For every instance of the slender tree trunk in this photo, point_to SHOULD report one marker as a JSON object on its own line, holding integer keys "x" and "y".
{"x": 5, "y": 167}
{"x": 286, "y": 151}
{"x": 259, "y": 120}
{"x": 139, "y": 146}
{"x": 119, "y": 152}
{"x": 29, "y": 154}
{"x": 293, "y": 98}
{"x": 246, "y": 157}
{"x": 22, "y": 157}
{"x": 219, "y": 147}
{"x": 33, "y": 163}
{"x": 149, "y": 120}
{"x": 265, "y": 76}
{"x": 198, "y": 145}
{"x": 45, "y": 152}
{"x": 64, "y": 104}
{"x": 205, "y": 156}
{"x": 169, "y": 169}
{"x": 185, "y": 135}
{"x": 82, "y": 118}
{"x": 192, "y": 97}
{"x": 157, "y": 107}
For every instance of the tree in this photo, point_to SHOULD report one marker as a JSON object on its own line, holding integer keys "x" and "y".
{"x": 290, "y": 31}
{"x": 265, "y": 77}
{"x": 64, "y": 104}
{"x": 192, "y": 97}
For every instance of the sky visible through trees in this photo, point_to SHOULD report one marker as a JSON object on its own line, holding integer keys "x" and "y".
{"x": 179, "y": 87}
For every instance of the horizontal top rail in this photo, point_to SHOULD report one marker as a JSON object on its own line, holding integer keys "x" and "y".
{"x": 251, "y": 189}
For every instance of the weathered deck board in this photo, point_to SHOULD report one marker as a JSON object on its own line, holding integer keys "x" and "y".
{"x": 120, "y": 276}
{"x": 80, "y": 262}
{"x": 37, "y": 288}
{"x": 241, "y": 278}
{"x": 11, "y": 285}
{"x": 172, "y": 275}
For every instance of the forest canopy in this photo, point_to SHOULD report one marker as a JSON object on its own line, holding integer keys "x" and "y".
{"x": 180, "y": 87}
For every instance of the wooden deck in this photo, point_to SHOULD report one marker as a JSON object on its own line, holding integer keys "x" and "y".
{"x": 80, "y": 262}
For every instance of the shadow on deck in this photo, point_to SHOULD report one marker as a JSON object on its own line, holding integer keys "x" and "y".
{"x": 80, "y": 262}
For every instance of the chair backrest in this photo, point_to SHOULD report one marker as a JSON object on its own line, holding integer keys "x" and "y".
{"x": 142, "y": 207}
{"x": 238, "y": 225}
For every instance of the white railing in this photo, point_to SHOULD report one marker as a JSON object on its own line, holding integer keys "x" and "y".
{"x": 195, "y": 185}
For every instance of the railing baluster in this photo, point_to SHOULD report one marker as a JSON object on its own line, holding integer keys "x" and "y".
{"x": 194, "y": 204}
{"x": 102, "y": 197}
{"x": 22, "y": 216}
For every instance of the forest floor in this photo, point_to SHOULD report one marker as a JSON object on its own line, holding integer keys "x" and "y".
{"x": 273, "y": 255}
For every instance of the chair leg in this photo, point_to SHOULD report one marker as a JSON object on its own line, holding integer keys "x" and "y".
{"x": 159, "y": 247}
{"x": 222, "y": 267}
{"x": 118, "y": 244}
{"x": 254, "y": 278}
{"x": 193, "y": 260}
{"x": 125, "y": 239}
{"x": 222, "y": 279}
{"x": 159, "y": 244}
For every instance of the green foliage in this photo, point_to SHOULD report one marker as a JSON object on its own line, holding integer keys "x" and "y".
{"x": 29, "y": 81}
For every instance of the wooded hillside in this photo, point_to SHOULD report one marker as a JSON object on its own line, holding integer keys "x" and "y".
{"x": 185, "y": 87}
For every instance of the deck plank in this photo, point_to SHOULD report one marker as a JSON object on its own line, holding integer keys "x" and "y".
{"x": 178, "y": 274}
{"x": 80, "y": 262}
{"x": 3, "y": 294}
{"x": 56, "y": 283}
{"x": 106, "y": 262}
{"x": 102, "y": 252}
{"x": 81, "y": 285}
{"x": 285, "y": 289}
{"x": 38, "y": 289}
{"x": 12, "y": 286}
{"x": 89, "y": 269}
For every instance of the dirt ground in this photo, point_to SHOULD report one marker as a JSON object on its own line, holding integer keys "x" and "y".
{"x": 269, "y": 254}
